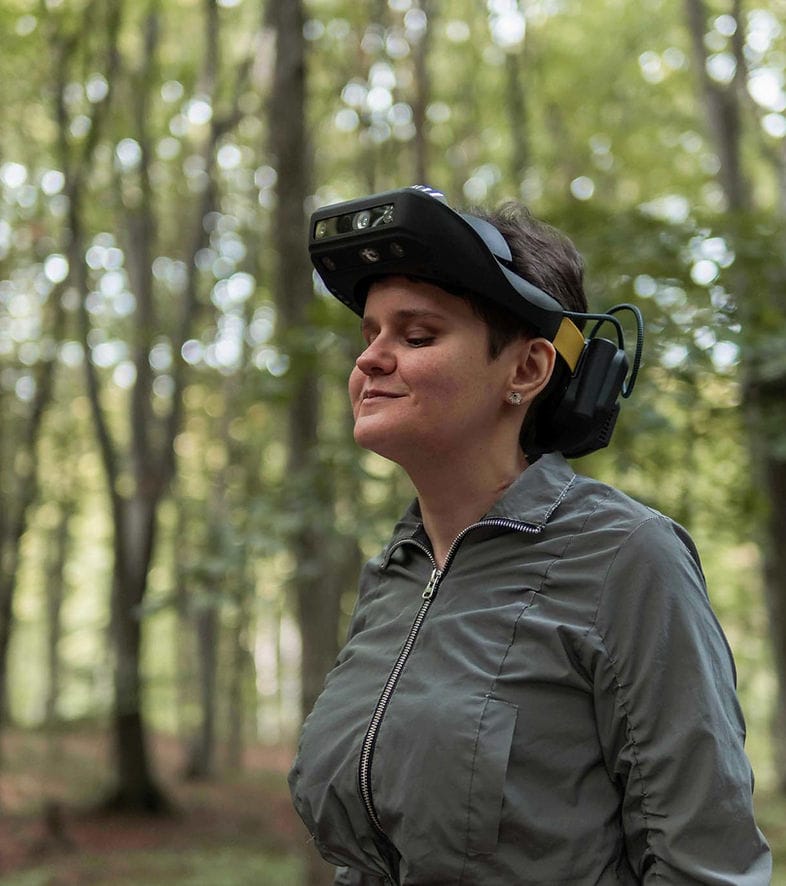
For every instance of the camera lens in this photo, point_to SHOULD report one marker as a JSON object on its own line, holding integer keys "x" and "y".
{"x": 321, "y": 230}
{"x": 361, "y": 219}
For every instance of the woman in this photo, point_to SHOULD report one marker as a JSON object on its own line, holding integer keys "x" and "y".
{"x": 534, "y": 689}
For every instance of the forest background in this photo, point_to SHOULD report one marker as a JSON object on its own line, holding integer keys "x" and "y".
{"x": 182, "y": 510}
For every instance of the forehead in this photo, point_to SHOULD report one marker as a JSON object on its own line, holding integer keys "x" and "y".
{"x": 406, "y": 293}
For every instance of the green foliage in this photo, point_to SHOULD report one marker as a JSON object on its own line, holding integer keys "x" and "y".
{"x": 588, "y": 111}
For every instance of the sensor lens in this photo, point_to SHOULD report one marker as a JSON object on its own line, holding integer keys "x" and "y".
{"x": 361, "y": 220}
{"x": 350, "y": 222}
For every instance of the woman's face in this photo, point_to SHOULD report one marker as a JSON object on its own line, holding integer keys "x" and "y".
{"x": 424, "y": 386}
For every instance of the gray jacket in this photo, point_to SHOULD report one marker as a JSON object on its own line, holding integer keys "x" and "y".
{"x": 556, "y": 706}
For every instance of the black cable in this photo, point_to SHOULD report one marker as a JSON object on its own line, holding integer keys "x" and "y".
{"x": 634, "y": 371}
{"x": 609, "y": 317}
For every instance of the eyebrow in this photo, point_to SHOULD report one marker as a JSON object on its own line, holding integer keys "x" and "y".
{"x": 404, "y": 315}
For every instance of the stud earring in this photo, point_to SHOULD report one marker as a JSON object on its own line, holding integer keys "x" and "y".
{"x": 514, "y": 398}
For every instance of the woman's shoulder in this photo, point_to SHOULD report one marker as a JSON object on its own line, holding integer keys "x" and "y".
{"x": 597, "y": 511}
{"x": 599, "y": 500}
{"x": 551, "y": 490}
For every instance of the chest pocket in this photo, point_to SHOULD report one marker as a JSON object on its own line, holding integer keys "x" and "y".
{"x": 489, "y": 771}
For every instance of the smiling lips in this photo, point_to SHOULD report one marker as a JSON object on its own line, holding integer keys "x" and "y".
{"x": 374, "y": 393}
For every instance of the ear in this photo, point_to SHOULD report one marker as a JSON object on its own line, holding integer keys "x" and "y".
{"x": 534, "y": 364}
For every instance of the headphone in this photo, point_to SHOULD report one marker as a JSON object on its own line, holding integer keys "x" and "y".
{"x": 412, "y": 231}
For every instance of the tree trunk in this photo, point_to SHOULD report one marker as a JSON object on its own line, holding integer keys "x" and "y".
{"x": 316, "y": 597}
{"x": 422, "y": 95}
{"x": 766, "y": 407}
{"x": 133, "y": 516}
{"x": 317, "y": 600}
{"x": 722, "y": 110}
{"x": 516, "y": 106}
{"x": 238, "y": 674}
{"x": 55, "y": 593}
{"x": 150, "y": 457}
{"x": 23, "y": 486}
{"x": 136, "y": 787}
{"x": 201, "y": 763}
{"x": 763, "y": 396}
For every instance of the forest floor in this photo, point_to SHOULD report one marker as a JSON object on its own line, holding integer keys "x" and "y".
{"x": 235, "y": 830}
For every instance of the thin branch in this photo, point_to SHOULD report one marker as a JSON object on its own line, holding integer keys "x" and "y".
{"x": 773, "y": 153}
{"x": 219, "y": 126}
{"x": 141, "y": 222}
{"x": 76, "y": 164}
{"x": 722, "y": 109}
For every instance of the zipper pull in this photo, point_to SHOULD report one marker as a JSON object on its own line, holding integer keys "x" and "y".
{"x": 428, "y": 591}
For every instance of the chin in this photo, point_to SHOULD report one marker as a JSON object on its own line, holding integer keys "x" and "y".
{"x": 379, "y": 440}
{"x": 373, "y": 443}
{"x": 406, "y": 450}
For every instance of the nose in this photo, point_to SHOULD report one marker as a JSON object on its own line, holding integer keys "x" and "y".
{"x": 376, "y": 359}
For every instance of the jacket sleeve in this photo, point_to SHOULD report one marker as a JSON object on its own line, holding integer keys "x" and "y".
{"x": 669, "y": 721}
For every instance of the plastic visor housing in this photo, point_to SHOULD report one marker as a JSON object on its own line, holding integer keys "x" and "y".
{"x": 412, "y": 232}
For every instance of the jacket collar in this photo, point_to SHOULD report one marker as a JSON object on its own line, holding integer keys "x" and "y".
{"x": 531, "y": 499}
{"x": 537, "y": 492}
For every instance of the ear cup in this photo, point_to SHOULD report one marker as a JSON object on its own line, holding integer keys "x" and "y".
{"x": 583, "y": 418}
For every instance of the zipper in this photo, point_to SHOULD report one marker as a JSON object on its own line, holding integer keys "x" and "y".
{"x": 428, "y": 595}
{"x": 367, "y": 748}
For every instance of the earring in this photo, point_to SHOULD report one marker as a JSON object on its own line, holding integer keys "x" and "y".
{"x": 514, "y": 398}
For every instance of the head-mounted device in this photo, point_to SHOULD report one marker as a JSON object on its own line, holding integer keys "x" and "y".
{"x": 412, "y": 231}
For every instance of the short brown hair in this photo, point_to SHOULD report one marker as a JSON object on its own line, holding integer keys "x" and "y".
{"x": 547, "y": 258}
{"x": 541, "y": 254}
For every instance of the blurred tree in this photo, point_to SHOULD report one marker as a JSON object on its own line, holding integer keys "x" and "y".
{"x": 421, "y": 29}
{"x": 58, "y": 551}
{"x": 138, "y": 472}
{"x": 23, "y": 404}
{"x": 217, "y": 578}
{"x": 764, "y": 342}
{"x": 308, "y": 492}
{"x": 19, "y": 452}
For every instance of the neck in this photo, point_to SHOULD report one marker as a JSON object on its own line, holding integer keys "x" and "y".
{"x": 453, "y": 496}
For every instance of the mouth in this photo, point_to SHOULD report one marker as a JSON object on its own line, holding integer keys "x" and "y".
{"x": 372, "y": 394}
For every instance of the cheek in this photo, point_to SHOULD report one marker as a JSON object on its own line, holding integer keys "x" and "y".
{"x": 466, "y": 392}
{"x": 450, "y": 383}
